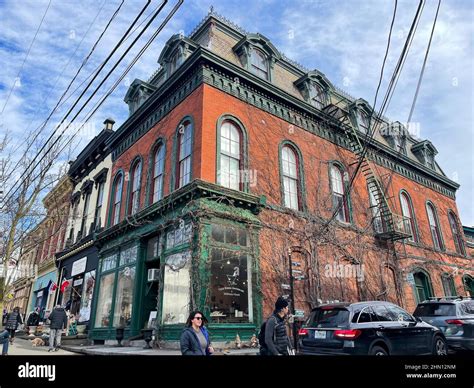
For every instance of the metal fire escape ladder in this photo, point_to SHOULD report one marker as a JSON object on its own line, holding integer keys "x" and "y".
{"x": 393, "y": 225}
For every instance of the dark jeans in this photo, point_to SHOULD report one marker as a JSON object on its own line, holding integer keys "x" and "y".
{"x": 12, "y": 333}
{"x": 4, "y": 341}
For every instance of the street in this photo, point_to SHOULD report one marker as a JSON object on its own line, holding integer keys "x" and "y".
{"x": 23, "y": 347}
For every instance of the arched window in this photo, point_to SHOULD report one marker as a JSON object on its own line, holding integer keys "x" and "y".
{"x": 469, "y": 284}
{"x": 457, "y": 237}
{"x": 158, "y": 173}
{"x": 424, "y": 289}
{"x": 259, "y": 64}
{"x": 184, "y": 154}
{"x": 231, "y": 157}
{"x": 339, "y": 195}
{"x": 134, "y": 204}
{"x": 448, "y": 285}
{"x": 434, "y": 226}
{"x": 117, "y": 199}
{"x": 409, "y": 214}
{"x": 290, "y": 177}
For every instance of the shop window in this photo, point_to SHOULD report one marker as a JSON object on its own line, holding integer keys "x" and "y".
{"x": 176, "y": 288}
{"x": 109, "y": 262}
{"x": 229, "y": 286}
{"x": 128, "y": 255}
{"x": 87, "y": 295}
{"x": 124, "y": 297}
{"x": 179, "y": 235}
{"x": 104, "y": 301}
{"x": 229, "y": 235}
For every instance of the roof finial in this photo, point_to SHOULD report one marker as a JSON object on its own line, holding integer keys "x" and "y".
{"x": 211, "y": 10}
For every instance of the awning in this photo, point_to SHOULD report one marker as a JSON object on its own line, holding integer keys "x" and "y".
{"x": 44, "y": 280}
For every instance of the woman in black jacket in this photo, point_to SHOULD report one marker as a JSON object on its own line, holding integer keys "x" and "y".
{"x": 13, "y": 321}
{"x": 195, "y": 337}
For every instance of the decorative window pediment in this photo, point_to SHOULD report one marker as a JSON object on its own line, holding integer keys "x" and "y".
{"x": 137, "y": 94}
{"x": 425, "y": 151}
{"x": 176, "y": 51}
{"x": 315, "y": 87}
{"x": 257, "y": 55}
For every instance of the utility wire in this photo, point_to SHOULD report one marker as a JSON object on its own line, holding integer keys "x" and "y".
{"x": 26, "y": 57}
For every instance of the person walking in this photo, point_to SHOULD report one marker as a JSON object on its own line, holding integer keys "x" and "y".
{"x": 4, "y": 342}
{"x": 58, "y": 322}
{"x": 13, "y": 321}
{"x": 276, "y": 340}
{"x": 195, "y": 337}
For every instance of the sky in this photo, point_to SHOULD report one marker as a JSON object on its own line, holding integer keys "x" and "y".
{"x": 346, "y": 40}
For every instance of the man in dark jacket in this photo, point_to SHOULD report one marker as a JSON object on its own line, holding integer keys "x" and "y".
{"x": 58, "y": 322}
{"x": 277, "y": 342}
{"x": 13, "y": 321}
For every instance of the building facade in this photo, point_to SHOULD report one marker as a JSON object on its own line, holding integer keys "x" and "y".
{"x": 51, "y": 239}
{"x": 237, "y": 164}
{"x": 77, "y": 263}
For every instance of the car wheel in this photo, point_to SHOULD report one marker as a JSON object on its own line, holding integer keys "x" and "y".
{"x": 439, "y": 347}
{"x": 378, "y": 351}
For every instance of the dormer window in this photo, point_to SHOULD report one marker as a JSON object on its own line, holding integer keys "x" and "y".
{"x": 362, "y": 121}
{"x": 317, "y": 96}
{"x": 257, "y": 55}
{"x": 425, "y": 152}
{"x": 259, "y": 64}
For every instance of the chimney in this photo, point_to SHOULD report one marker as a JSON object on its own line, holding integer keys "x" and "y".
{"x": 109, "y": 123}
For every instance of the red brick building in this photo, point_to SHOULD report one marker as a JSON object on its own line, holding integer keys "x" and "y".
{"x": 236, "y": 161}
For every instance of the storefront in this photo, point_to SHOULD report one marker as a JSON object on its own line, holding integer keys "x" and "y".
{"x": 204, "y": 262}
{"x": 41, "y": 296}
{"x": 79, "y": 270}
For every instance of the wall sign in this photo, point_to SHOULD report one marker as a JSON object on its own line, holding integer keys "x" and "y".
{"x": 79, "y": 266}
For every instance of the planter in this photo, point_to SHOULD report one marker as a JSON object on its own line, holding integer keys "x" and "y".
{"x": 147, "y": 336}
{"x": 119, "y": 332}
{"x": 81, "y": 329}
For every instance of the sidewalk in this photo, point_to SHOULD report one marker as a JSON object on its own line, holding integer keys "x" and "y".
{"x": 137, "y": 350}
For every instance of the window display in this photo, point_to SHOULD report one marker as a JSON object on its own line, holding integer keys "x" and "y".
{"x": 128, "y": 255}
{"x": 182, "y": 234}
{"x": 230, "y": 286}
{"x": 124, "y": 297}
{"x": 104, "y": 301}
{"x": 109, "y": 262}
{"x": 87, "y": 295}
{"x": 176, "y": 288}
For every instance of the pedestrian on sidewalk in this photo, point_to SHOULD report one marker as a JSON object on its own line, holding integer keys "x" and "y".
{"x": 4, "y": 341}
{"x": 274, "y": 340}
{"x": 13, "y": 321}
{"x": 195, "y": 337}
{"x": 58, "y": 322}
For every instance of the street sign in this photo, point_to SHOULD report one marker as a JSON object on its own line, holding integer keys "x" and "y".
{"x": 286, "y": 296}
{"x": 410, "y": 279}
{"x": 299, "y": 277}
{"x": 297, "y": 271}
{"x": 285, "y": 286}
{"x": 299, "y": 313}
{"x": 295, "y": 264}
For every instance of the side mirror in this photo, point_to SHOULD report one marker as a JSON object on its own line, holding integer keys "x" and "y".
{"x": 418, "y": 319}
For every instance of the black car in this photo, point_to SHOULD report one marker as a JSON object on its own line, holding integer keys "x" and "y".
{"x": 454, "y": 316}
{"x": 368, "y": 328}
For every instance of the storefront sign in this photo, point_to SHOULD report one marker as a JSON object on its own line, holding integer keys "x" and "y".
{"x": 77, "y": 282}
{"x": 79, "y": 266}
{"x": 40, "y": 294}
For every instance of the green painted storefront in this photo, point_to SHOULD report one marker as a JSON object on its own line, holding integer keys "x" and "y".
{"x": 203, "y": 242}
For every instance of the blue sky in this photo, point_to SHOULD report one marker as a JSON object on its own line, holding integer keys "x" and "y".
{"x": 344, "y": 39}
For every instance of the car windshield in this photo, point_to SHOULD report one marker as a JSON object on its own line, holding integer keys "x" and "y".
{"x": 435, "y": 309}
{"x": 467, "y": 308}
{"x": 329, "y": 317}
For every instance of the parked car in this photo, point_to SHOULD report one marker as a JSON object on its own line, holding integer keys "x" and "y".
{"x": 454, "y": 316}
{"x": 368, "y": 328}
